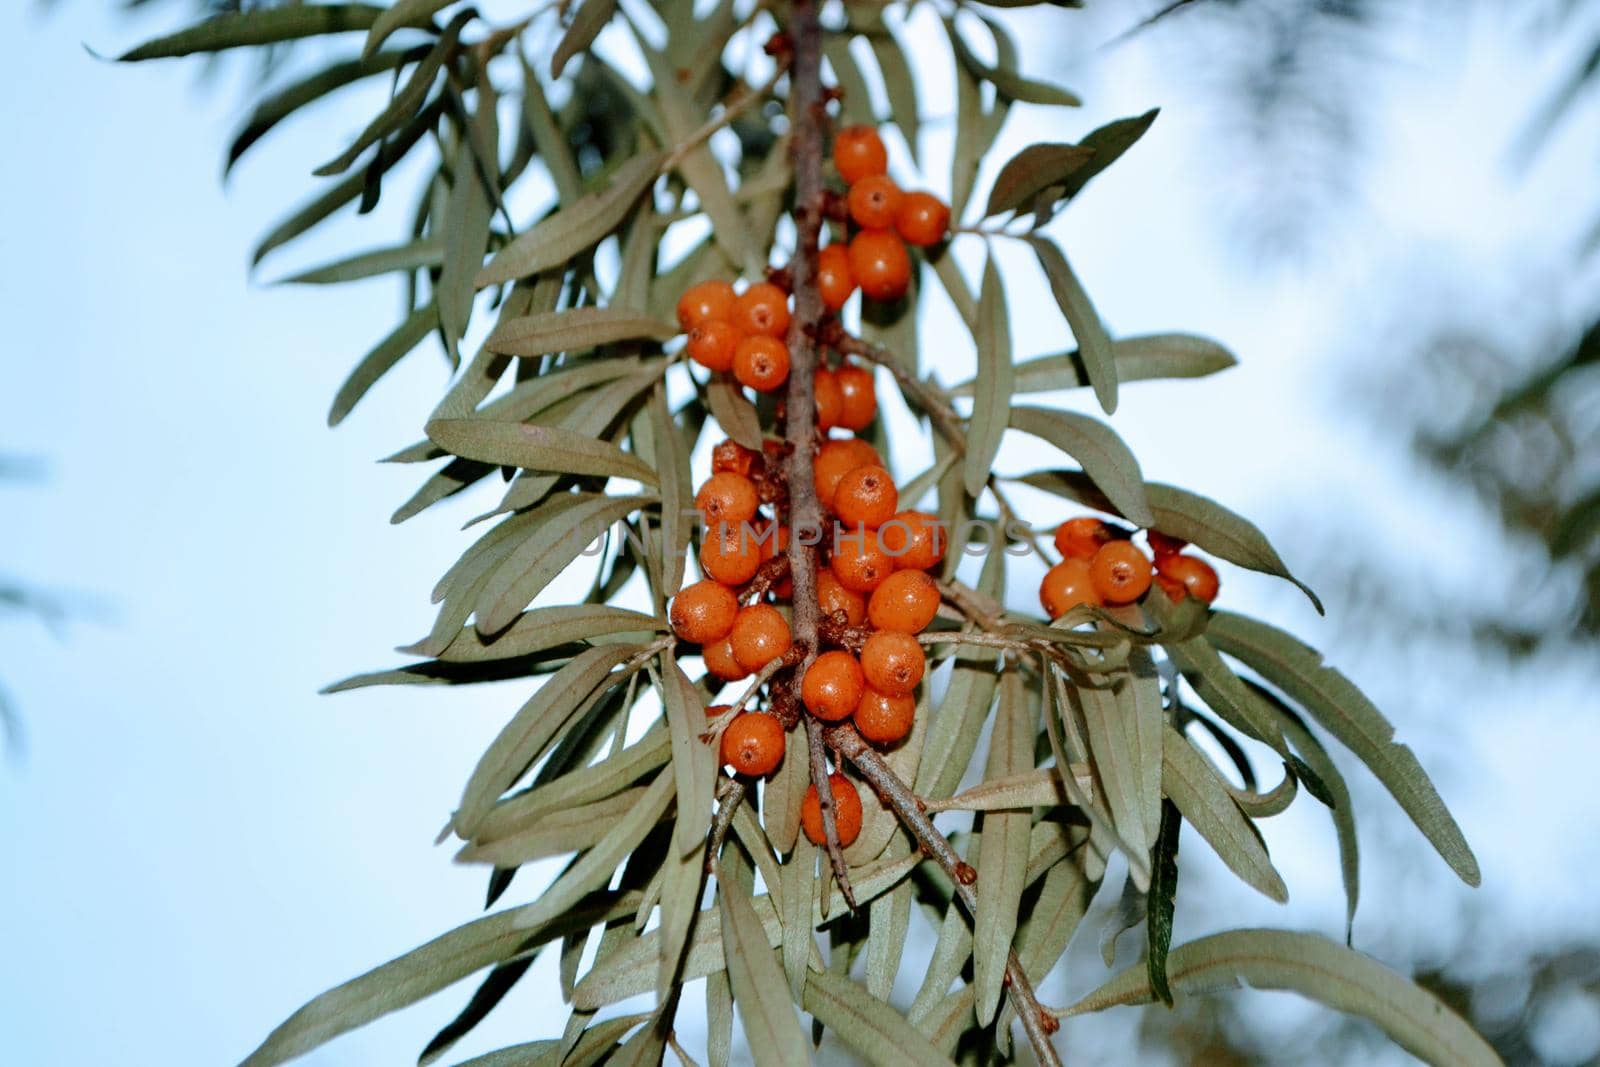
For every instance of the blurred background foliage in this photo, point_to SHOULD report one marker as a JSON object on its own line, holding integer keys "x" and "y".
{"x": 1508, "y": 420}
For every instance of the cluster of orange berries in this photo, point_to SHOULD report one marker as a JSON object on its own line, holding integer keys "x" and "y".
{"x": 875, "y": 259}
{"x": 1101, "y": 567}
{"x": 738, "y": 332}
{"x": 873, "y": 595}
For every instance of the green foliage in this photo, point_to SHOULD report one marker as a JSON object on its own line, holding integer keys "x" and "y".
{"x": 578, "y": 394}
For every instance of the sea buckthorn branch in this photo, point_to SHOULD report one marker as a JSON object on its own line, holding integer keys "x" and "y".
{"x": 730, "y": 794}
{"x": 807, "y": 118}
{"x": 1037, "y": 1022}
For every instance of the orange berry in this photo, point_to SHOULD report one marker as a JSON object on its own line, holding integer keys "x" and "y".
{"x": 703, "y": 613}
{"x": 866, "y": 497}
{"x": 846, "y": 812}
{"x": 1188, "y": 574}
{"x": 835, "y": 459}
{"x": 760, "y": 635}
{"x": 834, "y": 280}
{"x": 761, "y": 362}
{"x": 884, "y": 719}
{"x": 879, "y": 262}
{"x": 1082, "y": 537}
{"x": 859, "y": 561}
{"x": 830, "y": 401}
{"x": 1065, "y": 586}
{"x": 727, "y": 499}
{"x": 763, "y": 309}
{"x": 704, "y": 302}
{"x": 729, "y": 554}
{"x": 832, "y": 686}
{"x": 892, "y": 663}
{"x": 833, "y": 597}
{"x": 858, "y": 153}
{"x": 1163, "y": 545}
{"x": 915, "y": 540}
{"x": 874, "y": 202}
{"x": 859, "y": 395}
{"x": 711, "y": 344}
{"x": 753, "y": 743}
{"x": 922, "y": 219}
{"x": 730, "y": 457}
{"x": 720, "y": 662}
{"x": 907, "y": 601}
{"x": 1120, "y": 572}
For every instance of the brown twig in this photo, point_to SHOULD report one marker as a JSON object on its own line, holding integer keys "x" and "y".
{"x": 732, "y": 794}
{"x": 807, "y": 115}
{"x": 1037, "y": 1022}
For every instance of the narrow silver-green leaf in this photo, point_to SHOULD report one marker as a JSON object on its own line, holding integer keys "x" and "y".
{"x": 380, "y": 360}
{"x": 1003, "y": 862}
{"x": 799, "y": 892}
{"x": 694, "y": 762}
{"x": 1344, "y": 711}
{"x": 759, "y": 989}
{"x": 407, "y": 257}
{"x": 1094, "y": 344}
{"x": 521, "y": 739}
{"x": 991, "y": 402}
{"x": 535, "y": 562}
{"x": 536, "y": 447}
{"x": 1113, "y": 744}
{"x": 878, "y": 1033}
{"x": 468, "y": 212}
{"x": 1105, "y": 458}
{"x": 586, "y": 25}
{"x": 684, "y": 876}
{"x": 594, "y": 868}
{"x": 1202, "y": 797}
{"x": 575, "y": 330}
{"x": 543, "y": 628}
{"x": 1143, "y": 358}
{"x": 403, "y": 13}
{"x": 734, "y": 412}
{"x": 1315, "y": 967}
{"x": 249, "y": 29}
{"x": 574, "y": 229}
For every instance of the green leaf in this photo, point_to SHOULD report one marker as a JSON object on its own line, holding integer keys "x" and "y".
{"x": 571, "y": 828}
{"x": 468, "y": 212}
{"x": 1105, "y": 458}
{"x": 1224, "y": 692}
{"x": 575, "y": 229}
{"x": 1336, "y": 797}
{"x": 1151, "y": 356}
{"x": 878, "y": 1033}
{"x": 403, "y": 13}
{"x": 540, "y": 629}
{"x": 535, "y": 562}
{"x": 405, "y": 104}
{"x": 1029, "y": 789}
{"x": 798, "y": 880}
{"x": 586, "y": 25}
{"x": 1194, "y": 518}
{"x": 1094, "y": 344}
{"x": 536, "y": 447}
{"x": 381, "y": 359}
{"x": 734, "y": 412}
{"x": 411, "y": 256}
{"x": 992, "y": 394}
{"x": 594, "y": 868}
{"x": 953, "y": 735}
{"x": 421, "y": 973}
{"x": 1161, "y": 900}
{"x": 898, "y": 82}
{"x": 973, "y": 137}
{"x": 1344, "y": 711}
{"x": 682, "y": 881}
{"x": 1007, "y": 82}
{"x": 694, "y": 763}
{"x": 1062, "y": 170}
{"x": 575, "y": 330}
{"x": 522, "y": 739}
{"x": 279, "y": 105}
{"x": 856, "y": 107}
{"x": 1315, "y": 967}
{"x": 1003, "y": 862}
{"x": 247, "y": 29}
{"x": 888, "y": 920}
{"x": 1203, "y": 798}
{"x": 759, "y": 988}
{"x": 1119, "y": 762}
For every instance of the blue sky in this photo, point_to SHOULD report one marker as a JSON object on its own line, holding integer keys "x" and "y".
{"x": 195, "y": 842}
